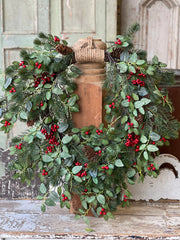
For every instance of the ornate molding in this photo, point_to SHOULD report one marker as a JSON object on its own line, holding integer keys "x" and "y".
{"x": 172, "y": 32}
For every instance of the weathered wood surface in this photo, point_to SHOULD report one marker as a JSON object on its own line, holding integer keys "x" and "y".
{"x": 10, "y": 188}
{"x": 22, "y": 219}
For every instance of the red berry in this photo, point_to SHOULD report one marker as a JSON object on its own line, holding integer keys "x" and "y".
{"x": 55, "y": 39}
{"x": 63, "y": 195}
{"x": 125, "y": 200}
{"x": 102, "y": 209}
{"x": 16, "y": 146}
{"x": 36, "y": 63}
{"x": 44, "y": 170}
{"x": 20, "y": 64}
{"x": 24, "y": 66}
{"x": 101, "y": 131}
{"x": 46, "y": 173}
{"x": 153, "y": 168}
{"x": 65, "y": 198}
{"x": 43, "y": 174}
{"x": 19, "y": 147}
{"x": 9, "y": 123}
{"x": 116, "y": 42}
{"x": 148, "y": 168}
{"x": 86, "y": 133}
{"x": 104, "y": 213}
{"x": 85, "y": 190}
{"x": 152, "y": 165}
{"x": 100, "y": 213}
{"x": 97, "y": 131}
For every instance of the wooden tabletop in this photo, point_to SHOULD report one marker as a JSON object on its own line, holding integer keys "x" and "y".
{"x": 23, "y": 219}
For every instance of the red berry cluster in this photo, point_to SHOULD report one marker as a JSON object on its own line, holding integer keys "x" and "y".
{"x": 138, "y": 82}
{"x": 81, "y": 173}
{"x": 38, "y": 65}
{"x": 87, "y": 132}
{"x": 163, "y": 139}
{"x": 105, "y": 167}
{"x": 129, "y": 98}
{"x": 22, "y": 64}
{"x": 41, "y": 104}
{"x": 118, "y": 42}
{"x": 130, "y": 125}
{"x": 99, "y": 152}
{"x": 64, "y": 197}
{"x": 102, "y": 212}
{"x": 112, "y": 105}
{"x": 132, "y": 140}
{"x": 77, "y": 163}
{"x": 151, "y": 167}
{"x": 86, "y": 165}
{"x": 85, "y": 191}
{"x": 56, "y": 39}
{"x": 99, "y": 131}
{"x": 19, "y": 146}
{"x": 44, "y": 172}
{"x": 44, "y": 77}
{"x": 6, "y": 123}
{"x": 51, "y": 137}
{"x": 12, "y": 90}
{"x": 125, "y": 198}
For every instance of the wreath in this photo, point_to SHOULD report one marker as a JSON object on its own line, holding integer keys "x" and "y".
{"x": 93, "y": 165}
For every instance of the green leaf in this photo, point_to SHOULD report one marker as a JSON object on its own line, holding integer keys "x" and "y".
{"x": 66, "y": 139}
{"x": 124, "y": 56}
{"x": 145, "y": 154}
{"x": 63, "y": 127}
{"x": 43, "y": 208}
{"x": 57, "y": 91}
{"x": 39, "y": 197}
{"x": 47, "y": 158}
{"x": 109, "y": 214}
{"x": 50, "y": 202}
{"x": 152, "y": 148}
{"x": 143, "y": 139}
{"x": 77, "y": 179}
{"x": 29, "y": 106}
{"x": 54, "y": 196}
{"x": 125, "y": 103}
{"x": 48, "y": 95}
{"x": 68, "y": 176}
{"x": 138, "y": 104}
{"x": 125, "y": 44}
{"x": 123, "y": 95}
{"x": 150, "y": 70}
{"x": 154, "y": 136}
{"x": 135, "y": 96}
{"x": 132, "y": 69}
{"x": 84, "y": 204}
{"x": 131, "y": 173}
{"x": 8, "y": 82}
{"x": 109, "y": 193}
{"x": 58, "y": 160}
{"x": 119, "y": 163}
{"x": 76, "y": 169}
{"x": 123, "y": 67}
{"x": 72, "y": 101}
{"x": 75, "y": 130}
{"x": 43, "y": 188}
{"x": 124, "y": 119}
{"x": 40, "y": 135}
{"x": 23, "y": 115}
{"x": 142, "y": 147}
{"x": 133, "y": 58}
{"x": 141, "y": 110}
{"x": 101, "y": 199}
{"x": 47, "y": 85}
{"x": 145, "y": 101}
{"x": 140, "y": 62}
{"x": 91, "y": 199}
{"x": 77, "y": 217}
{"x": 155, "y": 60}
{"x": 95, "y": 180}
{"x": 48, "y": 120}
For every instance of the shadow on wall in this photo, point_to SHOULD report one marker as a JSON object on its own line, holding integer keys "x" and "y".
{"x": 165, "y": 186}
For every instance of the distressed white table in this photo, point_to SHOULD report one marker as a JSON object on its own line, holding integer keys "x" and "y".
{"x": 22, "y": 219}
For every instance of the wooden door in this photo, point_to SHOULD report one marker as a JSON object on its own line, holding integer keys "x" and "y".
{"x": 159, "y": 35}
{"x": 20, "y": 22}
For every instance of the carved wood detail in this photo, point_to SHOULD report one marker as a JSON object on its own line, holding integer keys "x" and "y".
{"x": 159, "y": 20}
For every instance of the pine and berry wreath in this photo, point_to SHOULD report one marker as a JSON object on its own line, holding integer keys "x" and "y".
{"x": 94, "y": 164}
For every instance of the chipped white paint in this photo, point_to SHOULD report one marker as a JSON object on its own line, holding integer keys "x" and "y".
{"x": 165, "y": 186}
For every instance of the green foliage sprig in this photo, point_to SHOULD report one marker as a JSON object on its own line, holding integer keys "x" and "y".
{"x": 95, "y": 164}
